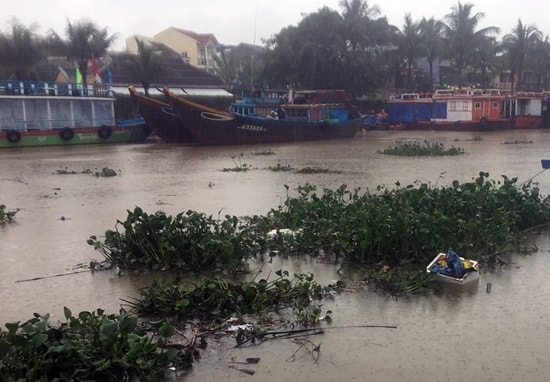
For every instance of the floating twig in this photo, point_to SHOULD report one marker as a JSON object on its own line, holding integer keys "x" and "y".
{"x": 247, "y": 371}
{"x": 285, "y": 334}
{"x": 51, "y": 276}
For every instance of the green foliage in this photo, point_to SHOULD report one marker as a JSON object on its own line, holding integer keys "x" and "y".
{"x": 216, "y": 299}
{"x": 189, "y": 241}
{"x": 425, "y": 149}
{"x": 239, "y": 165}
{"x": 91, "y": 346}
{"x": 478, "y": 219}
{"x": 105, "y": 172}
{"x": 7, "y": 216}
{"x": 396, "y": 281}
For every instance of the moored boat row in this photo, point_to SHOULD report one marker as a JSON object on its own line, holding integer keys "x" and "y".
{"x": 321, "y": 115}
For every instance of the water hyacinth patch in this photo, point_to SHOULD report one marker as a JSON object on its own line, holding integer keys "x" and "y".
{"x": 425, "y": 149}
{"x": 7, "y": 216}
{"x": 479, "y": 219}
{"x": 189, "y": 241}
{"x": 91, "y": 346}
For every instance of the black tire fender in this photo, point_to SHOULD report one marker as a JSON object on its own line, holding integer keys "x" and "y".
{"x": 66, "y": 134}
{"x": 13, "y": 136}
{"x": 105, "y": 132}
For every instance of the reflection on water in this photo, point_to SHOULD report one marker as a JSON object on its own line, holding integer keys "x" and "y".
{"x": 448, "y": 336}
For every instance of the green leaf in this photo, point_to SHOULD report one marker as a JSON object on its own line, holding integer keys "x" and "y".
{"x": 166, "y": 330}
{"x": 67, "y": 312}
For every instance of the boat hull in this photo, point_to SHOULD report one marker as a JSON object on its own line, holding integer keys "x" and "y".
{"x": 210, "y": 127}
{"x": 132, "y": 133}
{"x": 161, "y": 118}
{"x": 36, "y": 113}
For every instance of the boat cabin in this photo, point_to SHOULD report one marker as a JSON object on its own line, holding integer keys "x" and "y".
{"x": 47, "y": 106}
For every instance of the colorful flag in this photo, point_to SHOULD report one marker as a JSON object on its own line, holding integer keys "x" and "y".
{"x": 78, "y": 76}
{"x": 109, "y": 76}
{"x": 95, "y": 70}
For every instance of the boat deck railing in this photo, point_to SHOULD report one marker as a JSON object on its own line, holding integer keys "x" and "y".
{"x": 43, "y": 88}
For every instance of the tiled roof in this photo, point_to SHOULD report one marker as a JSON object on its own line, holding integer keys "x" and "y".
{"x": 203, "y": 38}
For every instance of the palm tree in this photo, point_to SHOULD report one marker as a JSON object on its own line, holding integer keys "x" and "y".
{"x": 432, "y": 31}
{"x": 147, "y": 64}
{"x": 538, "y": 60}
{"x": 486, "y": 59}
{"x": 357, "y": 14}
{"x": 411, "y": 45}
{"x": 21, "y": 53}
{"x": 518, "y": 45}
{"x": 84, "y": 41}
{"x": 462, "y": 35}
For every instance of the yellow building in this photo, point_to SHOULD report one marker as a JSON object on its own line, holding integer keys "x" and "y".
{"x": 198, "y": 49}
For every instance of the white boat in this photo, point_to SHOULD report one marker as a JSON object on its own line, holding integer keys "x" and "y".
{"x": 445, "y": 272}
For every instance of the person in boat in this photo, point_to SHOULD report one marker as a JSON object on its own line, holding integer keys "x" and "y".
{"x": 281, "y": 112}
{"x": 272, "y": 115}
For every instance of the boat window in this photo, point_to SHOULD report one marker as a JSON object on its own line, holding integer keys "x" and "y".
{"x": 495, "y": 105}
{"x": 478, "y": 105}
{"x": 452, "y": 105}
{"x": 464, "y": 106}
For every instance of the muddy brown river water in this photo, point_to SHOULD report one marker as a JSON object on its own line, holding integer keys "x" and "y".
{"x": 451, "y": 336}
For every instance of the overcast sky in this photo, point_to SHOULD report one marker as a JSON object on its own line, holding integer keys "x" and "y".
{"x": 234, "y": 21}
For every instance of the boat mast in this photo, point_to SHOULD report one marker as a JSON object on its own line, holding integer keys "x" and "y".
{"x": 253, "y": 47}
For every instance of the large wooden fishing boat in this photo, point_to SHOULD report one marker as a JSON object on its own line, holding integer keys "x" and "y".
{"x": 48, "y": 114}
{"x": 304, "y": 121}
{"x": 160, "y": 117}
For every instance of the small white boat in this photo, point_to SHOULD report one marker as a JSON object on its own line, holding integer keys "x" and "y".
{"x": 463, "y": 271}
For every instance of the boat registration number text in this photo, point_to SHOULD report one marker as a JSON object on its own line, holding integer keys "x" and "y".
{"x": 252, "y": 128}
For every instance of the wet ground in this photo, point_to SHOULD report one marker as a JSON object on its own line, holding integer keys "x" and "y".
{"x": 450, "y": 336}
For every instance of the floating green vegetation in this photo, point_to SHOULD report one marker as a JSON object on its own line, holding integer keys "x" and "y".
{"x": 281, "y": 168}
{"x": 189, "y": 241}
{"x": 265, "y": 152}
{"x": 314, "y": 170}
{"x": 92, "y": 346}
{"x": 517, "y": 142}
{"x": 478, "y": 219}
{"x": 7, "y": 216}
{"x": 216, "y": 300}
{"x": 425, "y": 149}
{"x": 477, "y": 138}
{"x": 398, "y": 281}
{"x": 239, "y": 165}
{"x": 105, "y": 172}
{"x": 305, "y": 170}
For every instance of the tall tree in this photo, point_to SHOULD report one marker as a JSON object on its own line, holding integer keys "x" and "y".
{"x": 366, "y": 36}
{"x": 21, "y": 53}
{"x": 84, "y": 40}
{"x": 539, "y": 60}
{"x": 147, "y": 64}
{"x": 432, "y": 36}
{"x": 411, "y": 45}
{"x": 356, "y": 15}
{"x": 518, "y": 45}
{"x": 486, "y": 60}
{"x": 308, "y": 55}
{"x": 463, "y": 37}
